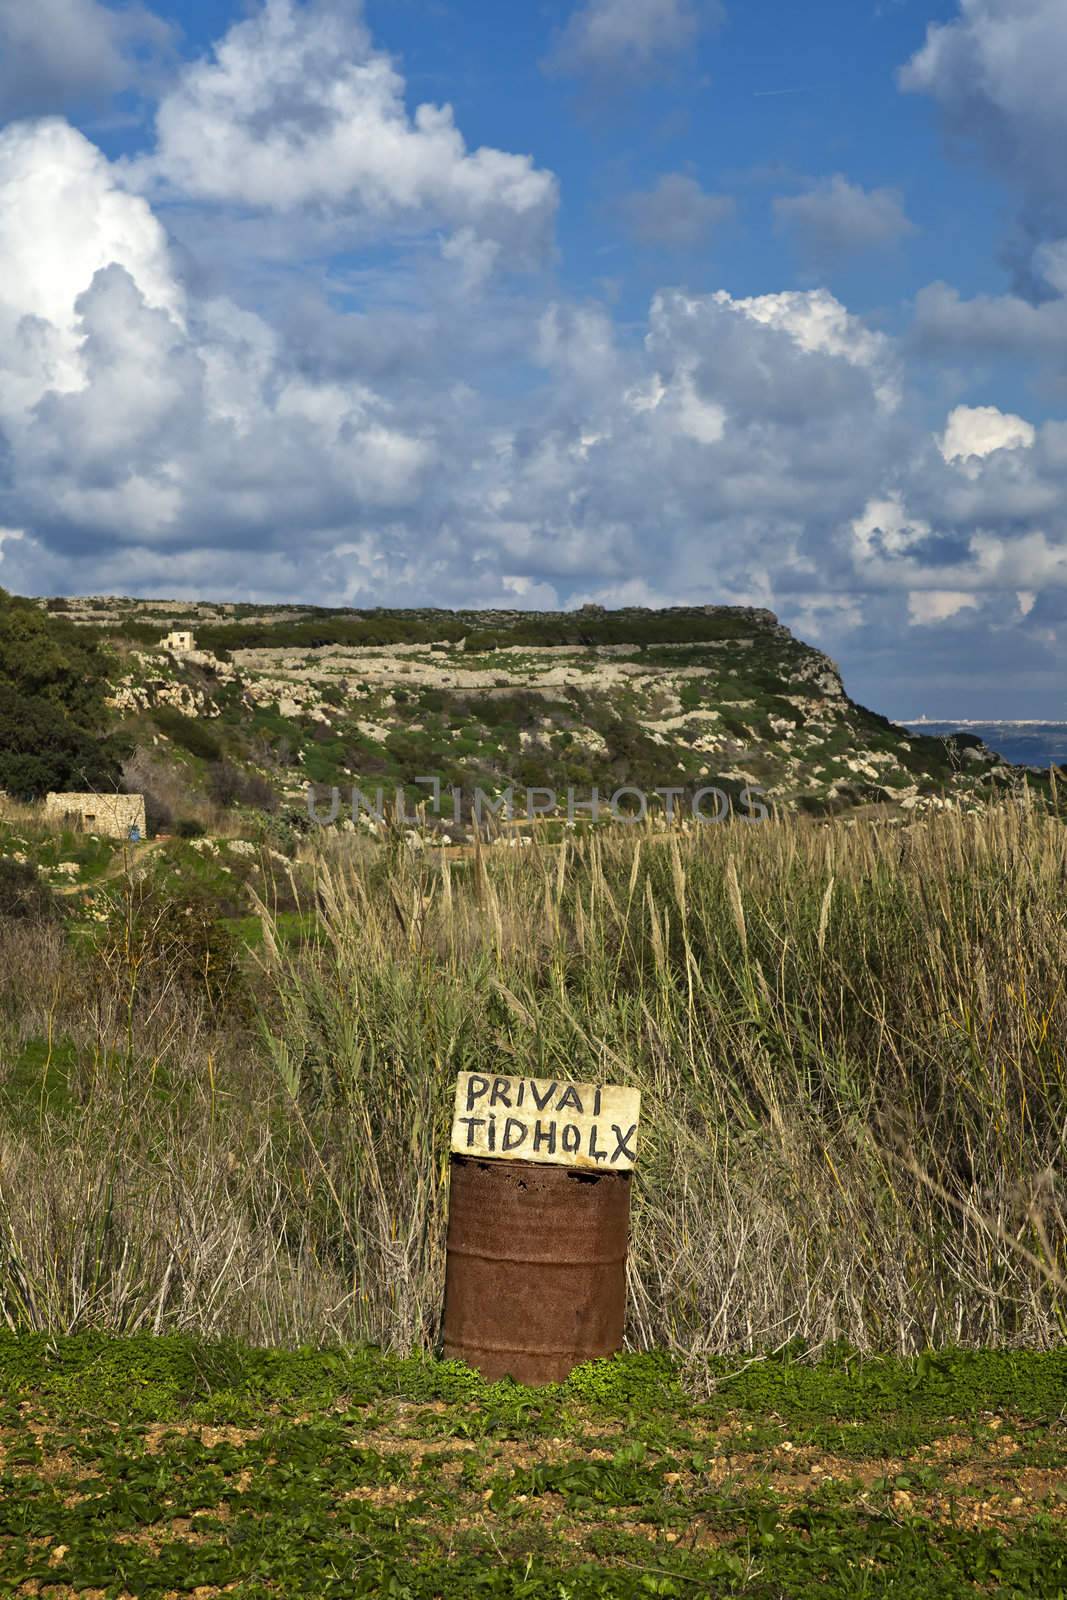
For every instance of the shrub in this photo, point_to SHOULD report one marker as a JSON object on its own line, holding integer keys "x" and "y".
{"x": 188, "y": 733}
{"x": 24, "y": 895}
{"x": 151, "y": 938}
{"x": 229, "y": 786}
{"x": 189, "y": 828}
{"x": 282, "y": 830}
{"x": 520, "y": 710}
{"x": 41, "y": 748}
{"x": 159, "y": 818}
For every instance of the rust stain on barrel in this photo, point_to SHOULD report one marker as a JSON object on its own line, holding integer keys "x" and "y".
{"x": 536, "y": 1267}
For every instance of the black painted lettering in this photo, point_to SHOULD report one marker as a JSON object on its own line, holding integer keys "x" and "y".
{"x": 522, "y": 1092}
{"x": 541, "y": 1101}
{"x": 570, "y": 1097}
{"x": 622, "y": 1141}
{"x": 476, "y": 1087}
{"x": 596, "y": 1103}
{"x": 499, "y": 1095}
{"x": 472, "y": 1123}
{"x": 545, "y": 1135}
{"x": 595, "y": 1153}
{"x": 515, "y": 1133}
{"x": 492, "y": 1133}
{"x": 571, "y": 1139}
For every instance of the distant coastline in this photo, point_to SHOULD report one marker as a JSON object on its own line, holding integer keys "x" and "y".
{"x": 979, "y": 722}
{"x": 1023, "y": 741}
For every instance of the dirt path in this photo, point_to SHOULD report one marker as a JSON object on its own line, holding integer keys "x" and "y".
{"x": 122, "y": 862}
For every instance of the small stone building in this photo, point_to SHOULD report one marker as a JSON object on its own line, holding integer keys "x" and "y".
{"x": 180, "y": 642}
{"x": 113, "y": 815}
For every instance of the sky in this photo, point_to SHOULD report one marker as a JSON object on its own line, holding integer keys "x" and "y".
{"x": 632, "y": 302}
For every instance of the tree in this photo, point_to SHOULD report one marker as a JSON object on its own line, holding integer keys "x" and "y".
{"x": 41, "y": 749}
{"x": 53, "y": 688}
{"x": 48, "y": 657}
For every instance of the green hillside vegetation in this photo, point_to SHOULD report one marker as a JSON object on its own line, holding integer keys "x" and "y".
{"x": 53, "y": 683}
{"x": 318, "y": 627}
{"x": 226, "y": 744}
{"x": 277, "y": 699}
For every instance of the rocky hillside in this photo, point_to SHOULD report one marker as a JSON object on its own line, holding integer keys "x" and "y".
{"x": 272, "y": 699}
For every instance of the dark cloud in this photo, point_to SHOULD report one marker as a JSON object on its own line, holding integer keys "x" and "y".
{"x": 676, "y": 213}
{"x": 992, "y": 327}
{"x": 996, "y": 74}
{"x": 835, "y": 218}
{"x": 57, "y": 54}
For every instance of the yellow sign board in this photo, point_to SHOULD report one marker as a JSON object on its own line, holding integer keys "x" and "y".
{"x": 591, "y": 1125}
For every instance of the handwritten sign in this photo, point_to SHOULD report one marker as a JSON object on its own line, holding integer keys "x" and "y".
{"x": 541, "y": 1119}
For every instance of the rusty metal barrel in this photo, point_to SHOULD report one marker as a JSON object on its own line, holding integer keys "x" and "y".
{"x": 536, "y": 1266}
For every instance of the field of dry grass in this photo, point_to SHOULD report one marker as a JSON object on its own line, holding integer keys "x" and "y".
{"x": 850, "y": 1040}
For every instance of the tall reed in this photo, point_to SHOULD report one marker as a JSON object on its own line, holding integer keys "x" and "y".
{"x": 850, "y": 1039}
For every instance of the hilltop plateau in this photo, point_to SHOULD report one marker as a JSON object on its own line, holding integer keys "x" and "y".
{"x": 272, "y": 699}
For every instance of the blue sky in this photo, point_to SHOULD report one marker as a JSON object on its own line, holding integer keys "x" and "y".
{"x": 634, "y": 301}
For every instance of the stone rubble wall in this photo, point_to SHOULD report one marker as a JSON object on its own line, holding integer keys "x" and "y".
{"x": 112, "y": 815}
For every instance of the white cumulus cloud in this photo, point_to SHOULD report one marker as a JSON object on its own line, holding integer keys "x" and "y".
{"x": 938, "y": 605}
{"x": 977, "y": 431}
{"x": 62, "y": 218}
{"x": 818, "y": 323}
{"x": 885, "y": 528}
{"x": 296, "y": 109}
{"x": 131, "y": 411}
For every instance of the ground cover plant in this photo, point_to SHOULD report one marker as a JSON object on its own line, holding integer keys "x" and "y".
{"x": 163, "y": 1467}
